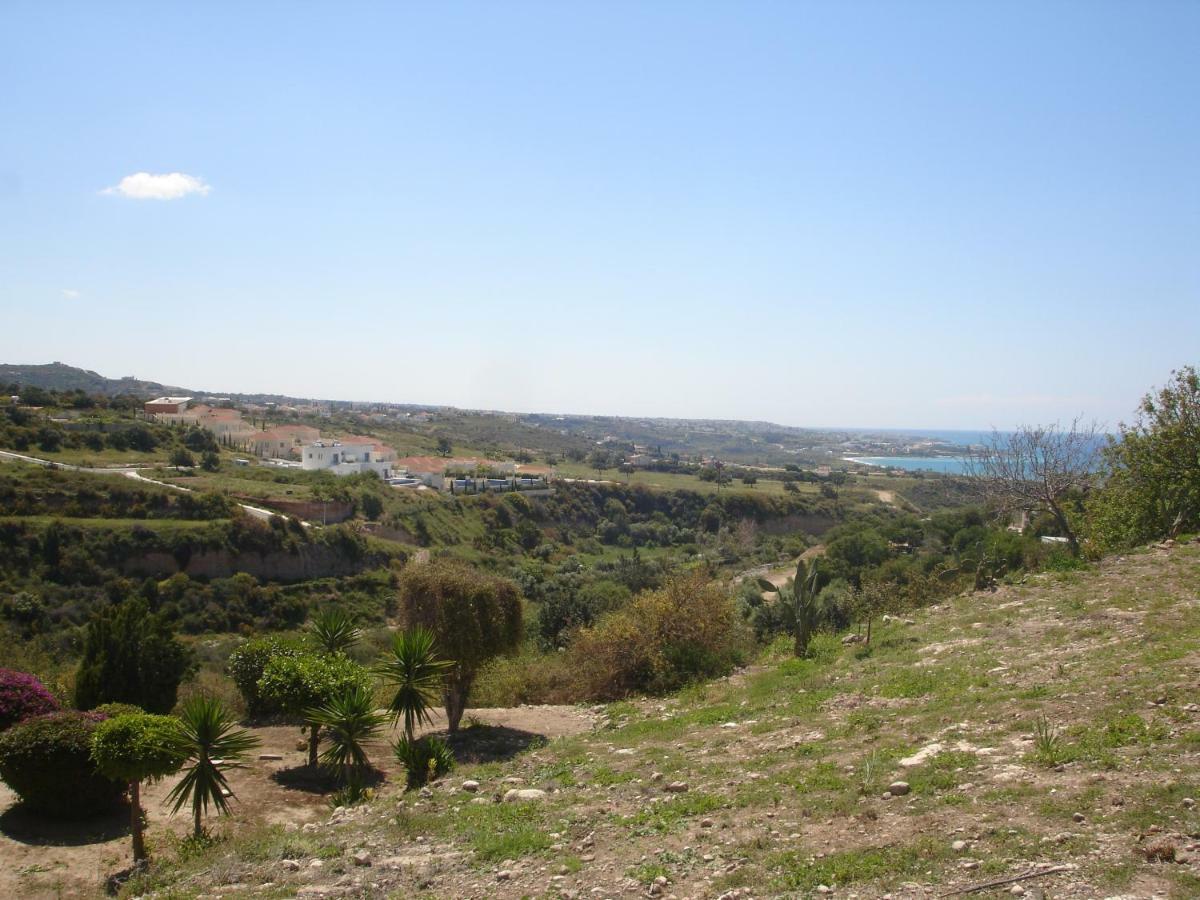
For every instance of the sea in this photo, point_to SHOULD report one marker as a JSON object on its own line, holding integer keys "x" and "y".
{"x": 948, "y": 465}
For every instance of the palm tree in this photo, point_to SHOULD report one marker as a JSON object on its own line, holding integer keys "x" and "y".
{"x": 213, "y": 745}
{"x": 334, "y": 631}
{"x": 348, "y": 721}
{"x": 415, "y": 671}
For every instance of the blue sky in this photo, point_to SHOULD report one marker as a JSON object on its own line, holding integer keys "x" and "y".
{"x": 860, "y": 214}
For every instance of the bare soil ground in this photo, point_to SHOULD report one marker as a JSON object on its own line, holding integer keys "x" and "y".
{"x": 47, "y": 859}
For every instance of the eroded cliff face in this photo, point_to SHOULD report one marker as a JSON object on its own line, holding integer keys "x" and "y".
{"x": 312, "y": 561}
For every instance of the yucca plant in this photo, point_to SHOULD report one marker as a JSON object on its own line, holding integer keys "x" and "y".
{"x": 214, "y": 745}
{"x": 412, "y": 668}
{"x": 348, "y": 720}
{"x": 806, "y": 587}
{"x": 333, "y": 631}
{"x": 425, "y": 760}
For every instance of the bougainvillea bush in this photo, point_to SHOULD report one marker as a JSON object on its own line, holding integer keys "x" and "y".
{"x": 22, "y": 696}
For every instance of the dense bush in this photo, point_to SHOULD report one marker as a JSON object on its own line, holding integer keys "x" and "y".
{"x": 247, "y": 664}
{"x": 131, "y": 656}
{"x": 22, "y": 696}
{"x": 685, "y": 631}
{"x": 47, "y": 762}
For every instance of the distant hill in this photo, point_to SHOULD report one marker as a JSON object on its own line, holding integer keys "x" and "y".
{"x": 61, "y": 377}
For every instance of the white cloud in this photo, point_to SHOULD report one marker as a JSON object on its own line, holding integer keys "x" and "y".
{"x": 172, "y": 186}
{"x": 71, "y": 294}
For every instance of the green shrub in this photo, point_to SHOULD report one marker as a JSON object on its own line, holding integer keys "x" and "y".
{"x": 47, "y": 762}
{"x": 246, "y": 666}
{"x": 663, "y": 639}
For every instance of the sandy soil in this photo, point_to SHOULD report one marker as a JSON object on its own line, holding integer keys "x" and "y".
{"x": 41, "y": 859}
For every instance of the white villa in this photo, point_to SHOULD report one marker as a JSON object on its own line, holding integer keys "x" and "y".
{"x": 348, "y": 458}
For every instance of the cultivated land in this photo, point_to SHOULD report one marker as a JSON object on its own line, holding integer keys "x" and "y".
{"x": 772, "y": 782}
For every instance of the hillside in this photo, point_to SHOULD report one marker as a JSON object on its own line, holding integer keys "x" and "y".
{"x": 58, "y": 376}
{"x": 776, "y": 781}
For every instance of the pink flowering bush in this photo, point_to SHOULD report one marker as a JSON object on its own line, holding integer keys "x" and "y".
{"x": 21, "y": 697}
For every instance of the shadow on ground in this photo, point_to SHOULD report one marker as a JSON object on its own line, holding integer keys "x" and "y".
{"x": 483, "y": 743}
{"x": 319, "y": 780}
{"x": 30, "y": 827}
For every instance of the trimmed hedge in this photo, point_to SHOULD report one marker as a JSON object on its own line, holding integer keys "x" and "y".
{"x": 47, "y": 761}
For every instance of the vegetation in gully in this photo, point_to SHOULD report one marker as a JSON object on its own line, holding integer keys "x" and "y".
{"x": 692, "y": 676}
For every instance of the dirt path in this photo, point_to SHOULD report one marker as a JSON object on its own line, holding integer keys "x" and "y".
{"x": 40, "y": 859}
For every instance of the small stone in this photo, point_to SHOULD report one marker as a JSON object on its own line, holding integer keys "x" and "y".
{"x": 503, "y": 875}
{"x": 1016, "y": 890}
{"x": 676, "y": 787}
{"x": 824, "y": 889}
{"x": 270, "y": 757}
{"x": 959, "y": 846}
{"x": 661, "y": 880}
{"x": 656, "y": 776}
{"x": 706, "y": 823}
{"x": 1188, "y": 803}
{"x": 1078, "y": 817}
{"x": 316, "y": 864}
{"x": 291, "y": 865}
{"x": 518, "y": 795}
{"x": 887, "y": 795}
{"x": 470, "y": 786}
{"x": 899, "y": 788}
{"x": 310, "y": 827}
{"x": 969, "y": 864}
{"x": 362, "y": 858}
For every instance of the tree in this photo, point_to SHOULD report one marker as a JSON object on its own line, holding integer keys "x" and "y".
{"x": 599, "y": 460}
{"x": 333, "y": 631}
{"x": 210, "y": 461}
{"x": 871, "y": 600}
{"x": 182, "y": 458}
{"x": 749, "y": 480}
{"x": 131, "y": 656}
{"x": 1153, "y": 484}
{"x": 1038, "y": 468}
{"x": 473, "y": 617}
{"x": 413, "y": 670}
{"x": 136, "y": 747}
{"x": 444, "y": 447}
{"x": 349, "y": 721}
{"x": 298, "y": 684}
{"x": 213, "y": 746}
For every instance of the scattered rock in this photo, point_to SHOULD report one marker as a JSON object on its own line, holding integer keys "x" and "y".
{"x": 316, "y": 864}
{"x": 503, "y": 875}
{"x": 959, "y": 846}
{"x": 470, "y": 786}
{"x": 706, "y": 823}
{"x": 1188, "y": 803}
{"x": 270, "y": 757}
{"x": 676, "y": 787}
{"x": 518, "y": 795}
{"x": 898, "y": 788}
{"x": 853, "y": 639}
{"x": 362, "y": 858}
{"x": 291, "y": 865}
{"x": 1078, "y": 817}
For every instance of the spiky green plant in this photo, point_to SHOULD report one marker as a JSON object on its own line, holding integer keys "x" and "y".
{"x": 412, "y": 668}
{"x": 349, "y": 720}
{"x": 333, "y": 631}
{"x": 806, "y": 587}
{"x": 424, "y": 760}
{"x": 214, "y": 745}
{"x": 1047, "y": 742}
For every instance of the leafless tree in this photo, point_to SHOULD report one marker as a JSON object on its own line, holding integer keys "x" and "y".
{"x": 1036, "y": 468}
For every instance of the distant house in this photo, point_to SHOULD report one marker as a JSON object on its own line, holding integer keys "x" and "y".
{"x": 348, "y": 458}
{"x": 283, "y": 441}
{"x": 171, "y": 406}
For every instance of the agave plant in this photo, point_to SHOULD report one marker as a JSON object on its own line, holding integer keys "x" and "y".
{"x": 333, "y": 631}
{"x": 414, "y": 670}
{"x": 425, "y": 760}
{"x": 348, "y": 720}
{"x": 213, "y": 746}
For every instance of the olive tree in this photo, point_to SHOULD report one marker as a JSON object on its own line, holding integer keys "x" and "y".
{"x": 473, "y": 617}
{"x": 133, "y": 748}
